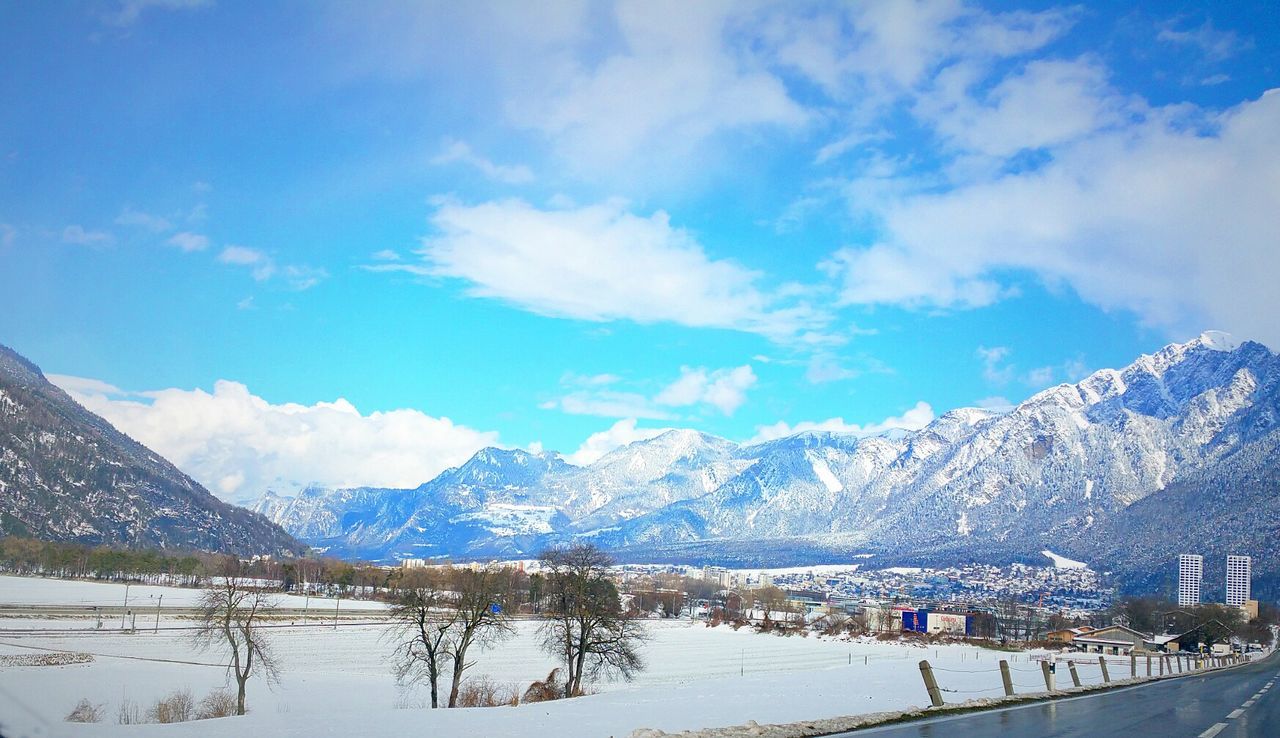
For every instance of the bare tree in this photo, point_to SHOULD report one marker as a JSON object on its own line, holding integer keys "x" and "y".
{"x": 480, "y": 619}
{"x": 229, "y": 616}
{"x": 586, "y": 624}
{"x": 424, "y": 613}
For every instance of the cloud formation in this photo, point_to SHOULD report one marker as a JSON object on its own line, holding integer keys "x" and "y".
{"x": 914, "y": 419}
{"x": 619, "y": 434}
{"x": 239, "y": 445}
{"x": 603, "y": 263}
{"x": 724, "y": 390}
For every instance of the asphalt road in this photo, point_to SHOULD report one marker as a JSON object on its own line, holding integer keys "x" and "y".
{"x": 1234, "y": 703}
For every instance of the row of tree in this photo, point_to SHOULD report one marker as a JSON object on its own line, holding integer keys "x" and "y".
{"x": 442, "y": 616}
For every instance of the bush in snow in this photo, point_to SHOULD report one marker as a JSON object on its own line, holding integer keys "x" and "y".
{"x": 85, "y": 712}
{"x": 481, "y": 691}
{"x": 216, "y": 704}
{"x": 178, "y": 707}
{"x": 129, "y": 713}
{"x": 551, "y": 688}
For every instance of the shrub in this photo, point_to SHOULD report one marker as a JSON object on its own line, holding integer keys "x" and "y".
{"x": 85, "y": 712}
{"x": 216, "y": 704}
{"x": 130, "y": 713}
{"x": 546, "y": 690}
{"x": 481, "y": 691}
{"x": 178, "y": 707}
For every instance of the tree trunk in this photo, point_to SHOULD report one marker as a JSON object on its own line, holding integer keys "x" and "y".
{"x": 240, "y": 695}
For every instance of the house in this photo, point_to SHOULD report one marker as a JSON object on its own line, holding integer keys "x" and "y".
{"x": 1067, "y": 635}
{"x": 1114, "y": 640}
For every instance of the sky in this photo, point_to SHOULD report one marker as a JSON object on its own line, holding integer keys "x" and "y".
{"x": 352, "y": 243}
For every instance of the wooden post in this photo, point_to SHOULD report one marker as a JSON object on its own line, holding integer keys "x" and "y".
{"x": 1075, "y": 676}
{"x": 931, "y": 684}
{"x": 1006, "y": 677}
{"x": 1048, "y": 676}
{"x": 1102, "y": 661}
{"x": 1148, "y": 664}
{"x": 1178, "y": 659}
{"x": 1133, "y": 665}
{"x": 1161, "y": 660}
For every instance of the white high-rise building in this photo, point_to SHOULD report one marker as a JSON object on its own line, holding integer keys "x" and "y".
{"x": 1239, "y": 580}
{"x": 1190, "y": 573}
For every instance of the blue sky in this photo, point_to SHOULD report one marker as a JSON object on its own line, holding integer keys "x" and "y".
{"x": 353, "y": 243}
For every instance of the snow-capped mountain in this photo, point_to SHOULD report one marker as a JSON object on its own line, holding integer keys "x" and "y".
{"x": 68, "y": 475}
{"x": 1057, "y": 471}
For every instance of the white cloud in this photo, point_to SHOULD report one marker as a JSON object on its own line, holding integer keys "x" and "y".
{"x": 652, "y": 91}
{"x": 1215, "y": 44}
{"x": 1169, "y": 217}
{"x": 619, "y": 434}
{"x": 722, "y": 389}
{"x": 460, "y": 152}
{"x": 993, "y": 367}
{"x": 385, "y": 255}
{"x": 603, "y": 263}
{"x": 78, "y": 235}
{"x": 1041, "y": 376}
{"x": 146, "y": 221}
{"x": 913, "y": 419}
{"x": 995, "y": 403}
{"x": 263, "y": 267}
{"x": 129, "y": 11}
{"x": 238, "y": 445}
{"x": 188, "y": 241}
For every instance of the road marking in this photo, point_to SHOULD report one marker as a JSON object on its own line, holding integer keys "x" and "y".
{"x": 1234, "y": 714}
{"x": 1247, "y": 705}
{"x": 1211, "y": 732}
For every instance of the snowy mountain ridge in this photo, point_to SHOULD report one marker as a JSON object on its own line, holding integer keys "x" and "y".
{"x": 1042, "y": 475}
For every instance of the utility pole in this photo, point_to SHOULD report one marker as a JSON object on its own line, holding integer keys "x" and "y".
{"x": 126, "y": 605}
{"x": 157, "y": 628}
{"x": 335, "y": 610}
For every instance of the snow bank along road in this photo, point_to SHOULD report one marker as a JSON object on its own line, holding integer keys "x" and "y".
{"x": 1232, "y": 703}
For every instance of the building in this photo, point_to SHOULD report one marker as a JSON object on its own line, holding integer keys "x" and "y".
{"x": 413, "y": 563}
{"x": 1113, "y": 640}
{"x": 1239, "y": 580}
{"x": 1067, "y": 635}
{"x": 1190, "y": 573}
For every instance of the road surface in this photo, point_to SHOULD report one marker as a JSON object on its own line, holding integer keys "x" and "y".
{"x": 1234, "y": 703}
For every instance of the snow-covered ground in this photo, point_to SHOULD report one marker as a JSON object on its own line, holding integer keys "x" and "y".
{"x": 338, "y": 681}
{"x": 38, "y": 591}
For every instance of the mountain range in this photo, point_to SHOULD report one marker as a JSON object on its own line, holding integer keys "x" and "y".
{"x": 1124, "y": 469}
{"x": 67, "y": 475}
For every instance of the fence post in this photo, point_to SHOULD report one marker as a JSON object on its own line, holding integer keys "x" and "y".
{"x": 1133, "y": 665}
{"x": 931, "y": 684}
{"x": 1102, "y": 661}
{"x": 1161, "y": 660}
{"x": 1048, "y": 676}
{"x": 1006, "y": 677}
{"x": 1178, "y": 659}
{"x": 1148, "y": 664}
{"x": 1075, "y": 676}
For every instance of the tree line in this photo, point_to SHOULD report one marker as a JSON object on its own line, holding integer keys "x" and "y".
{"x": 442, "y": 616}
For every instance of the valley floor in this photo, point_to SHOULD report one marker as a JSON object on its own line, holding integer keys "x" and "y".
{"x": 338, "y": 681}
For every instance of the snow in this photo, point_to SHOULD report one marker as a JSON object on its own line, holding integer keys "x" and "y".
{"x": 823, "y": 472}
{"x": 36, "y": 591}
{"x": 338, "y": 682}
{"x": 1218, "y": 341}
{"x": 1062, "y": 562}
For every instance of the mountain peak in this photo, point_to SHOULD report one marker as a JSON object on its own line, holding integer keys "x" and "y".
{"x": 1217, "y": 341}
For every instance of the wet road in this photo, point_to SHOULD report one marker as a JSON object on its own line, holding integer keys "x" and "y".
{"x": 1229, "y": 704}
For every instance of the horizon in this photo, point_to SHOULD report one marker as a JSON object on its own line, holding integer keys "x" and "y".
{"x": 363, "y": 245}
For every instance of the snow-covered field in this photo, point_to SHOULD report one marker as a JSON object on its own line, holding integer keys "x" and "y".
{"x": 36, "y": 591}
{"x": 338, "y": 681}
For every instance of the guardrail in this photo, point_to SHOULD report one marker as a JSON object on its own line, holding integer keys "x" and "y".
{"x": 1154, "y": 665}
